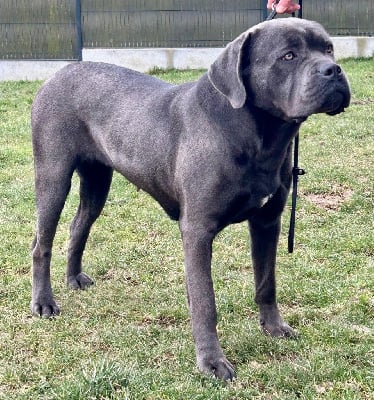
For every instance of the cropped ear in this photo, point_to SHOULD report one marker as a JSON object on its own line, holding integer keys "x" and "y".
{"x": 225, "y": 74}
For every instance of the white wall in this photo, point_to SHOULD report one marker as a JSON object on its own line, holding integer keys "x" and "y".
{"x": 146, "y": 59}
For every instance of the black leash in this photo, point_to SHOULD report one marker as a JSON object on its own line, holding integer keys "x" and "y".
{"x": 296, "y": 171}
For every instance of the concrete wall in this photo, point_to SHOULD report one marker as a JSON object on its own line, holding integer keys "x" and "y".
{"x": 146, "y": 59}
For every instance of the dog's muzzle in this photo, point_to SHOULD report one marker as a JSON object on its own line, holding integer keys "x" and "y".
{"x": 339, "y": 97}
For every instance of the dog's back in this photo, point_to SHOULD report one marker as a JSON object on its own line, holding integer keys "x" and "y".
{"x": 93, "y": 111}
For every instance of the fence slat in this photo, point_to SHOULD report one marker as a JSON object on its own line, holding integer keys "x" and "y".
{"x": 38, "y": 29}
{"x": 166, "y": 23}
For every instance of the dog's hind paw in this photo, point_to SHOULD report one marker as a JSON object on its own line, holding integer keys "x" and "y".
{"x": 272, "y": 323}
{"x": 220, "y": 368}
{"x": 281, "y": 330}
{"x": 80, "y": 281}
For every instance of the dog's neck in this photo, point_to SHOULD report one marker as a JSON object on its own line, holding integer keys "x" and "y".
{"x": 275, "y": 136}
{"x": 273, "y": 130}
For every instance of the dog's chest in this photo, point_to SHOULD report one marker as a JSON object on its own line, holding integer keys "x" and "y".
{"x": 255, "y": 187}
{"x": 260, "y": 172}
{"x": 248, "y": 199}
{"x": 265, "y": 199}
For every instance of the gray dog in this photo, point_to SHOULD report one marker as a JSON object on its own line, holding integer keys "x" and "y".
{"x": 212, "y": 153}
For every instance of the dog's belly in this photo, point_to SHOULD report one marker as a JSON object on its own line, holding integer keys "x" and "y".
{"x": 167, "y": 202}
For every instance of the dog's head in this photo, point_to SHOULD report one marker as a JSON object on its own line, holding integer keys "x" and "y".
{"x": 285, "y": 67}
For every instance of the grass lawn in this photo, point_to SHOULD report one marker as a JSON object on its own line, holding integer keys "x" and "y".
{"x": 129, "y": 337}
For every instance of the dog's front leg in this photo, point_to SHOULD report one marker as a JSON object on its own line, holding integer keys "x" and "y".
{"x": 264, "y": 241}
{"x": 197, "y": 245}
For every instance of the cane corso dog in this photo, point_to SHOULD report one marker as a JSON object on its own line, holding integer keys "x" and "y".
{"x": 213, "y": 152}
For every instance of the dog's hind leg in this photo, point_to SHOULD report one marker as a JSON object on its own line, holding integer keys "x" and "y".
{"x": 52, "y": 185}
{"x": 95, "y": 180}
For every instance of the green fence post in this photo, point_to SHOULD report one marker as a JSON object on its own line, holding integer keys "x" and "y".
{"x": 78, "y": 16}
{"x": 264, "y": 10}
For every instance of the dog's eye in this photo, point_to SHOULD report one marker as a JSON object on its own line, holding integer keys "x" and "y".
{"x": 329, "y": 49}
{"x": 289, "y": 56}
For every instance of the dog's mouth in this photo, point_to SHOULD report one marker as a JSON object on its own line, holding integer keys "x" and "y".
{"x": 296, "y": 120}
{"x": 336, "y": 103}
{"x": 299, "y": 120}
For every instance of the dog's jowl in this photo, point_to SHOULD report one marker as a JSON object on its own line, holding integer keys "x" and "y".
{"x": 212, "y": 153}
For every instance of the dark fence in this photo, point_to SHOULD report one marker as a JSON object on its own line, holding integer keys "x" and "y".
{"x": 342, "y": 17}
{"x": 57, "y": 29}
{"x": 39, "y": 29}
{"x": 166, "y": 23}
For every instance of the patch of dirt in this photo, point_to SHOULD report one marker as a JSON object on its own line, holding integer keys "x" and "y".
{"x": 119, "y": 275}
{"x": 365, "y": 330}
{"x": 362, "y": 102}
{"x": 333, "y": 200}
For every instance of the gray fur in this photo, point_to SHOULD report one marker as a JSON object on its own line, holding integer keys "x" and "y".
{"x": 212, "y": 152}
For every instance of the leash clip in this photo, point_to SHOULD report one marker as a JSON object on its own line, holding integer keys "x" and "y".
{"x": 273, "y": 10}
{"x": 298, "y": 171}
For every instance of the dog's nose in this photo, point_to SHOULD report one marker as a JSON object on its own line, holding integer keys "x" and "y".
{"x": 330, "y": 70}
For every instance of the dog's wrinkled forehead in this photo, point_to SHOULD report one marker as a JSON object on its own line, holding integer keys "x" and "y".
{"x": 286, "y": 32}
{"x": 289, "y": 31}
{"x": 290, "y": 25}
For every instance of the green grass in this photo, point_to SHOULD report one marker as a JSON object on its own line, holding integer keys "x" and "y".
{"x": 129, "y": 338}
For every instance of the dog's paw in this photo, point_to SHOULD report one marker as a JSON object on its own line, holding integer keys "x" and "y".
{"x": 279, "y": 330}
{"x": 272, "y": 323}
{"x": 44, "y": 309}
{"x": 219, "y": 367}
{"x": 80, "y": 281}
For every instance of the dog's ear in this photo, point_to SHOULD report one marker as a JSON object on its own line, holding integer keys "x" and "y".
{"x": 225, "y": 73}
